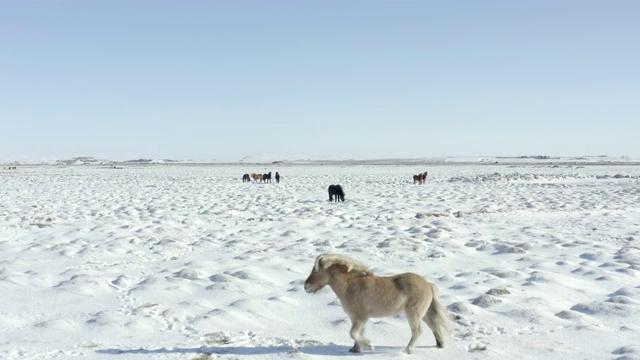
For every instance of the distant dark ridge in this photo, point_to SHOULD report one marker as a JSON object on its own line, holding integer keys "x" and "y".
{"x": 149, "y": 161}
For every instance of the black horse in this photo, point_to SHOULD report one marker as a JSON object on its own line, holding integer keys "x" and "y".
{"x": 277, "y": 177}
{"x": 246, "y": 178}
{"x": 336, "y": 190}
{"x": 266, "y": 177}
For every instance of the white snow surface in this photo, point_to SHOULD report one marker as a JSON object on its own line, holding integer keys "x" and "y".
{"x": 189, "y": 262}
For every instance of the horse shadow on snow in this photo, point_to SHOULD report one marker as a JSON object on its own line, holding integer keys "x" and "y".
{"x": 326, "y": 350}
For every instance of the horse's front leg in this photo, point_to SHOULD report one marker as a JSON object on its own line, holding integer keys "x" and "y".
{"x": 357, "y": 329}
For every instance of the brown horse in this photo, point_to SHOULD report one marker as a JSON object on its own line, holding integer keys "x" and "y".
{"x": 420, "y": 178}
{"x": 364, "y": 295}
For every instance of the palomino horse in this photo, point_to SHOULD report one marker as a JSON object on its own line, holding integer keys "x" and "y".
{"x": 256, "y": 177}
{"x": 364, "y": 295}
{"x": 420, "y": 178}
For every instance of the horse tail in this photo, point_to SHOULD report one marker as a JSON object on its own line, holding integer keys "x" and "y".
{"x": 438, "y": 319}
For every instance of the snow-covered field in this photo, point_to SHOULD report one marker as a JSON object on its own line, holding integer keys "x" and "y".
{"x": 188, "y": 262}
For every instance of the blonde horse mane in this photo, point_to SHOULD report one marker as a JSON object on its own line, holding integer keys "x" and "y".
{"x": 338, "y": 259}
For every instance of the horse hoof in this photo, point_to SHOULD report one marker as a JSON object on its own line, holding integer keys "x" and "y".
{"x": 354, "y": 350}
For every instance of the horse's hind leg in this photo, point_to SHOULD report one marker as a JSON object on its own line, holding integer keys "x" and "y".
{"x": 361, "y": 342}
{"x": 435, "y": 329}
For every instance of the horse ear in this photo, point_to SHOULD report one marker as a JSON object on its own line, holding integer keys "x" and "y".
{"x": 321, "y": 263}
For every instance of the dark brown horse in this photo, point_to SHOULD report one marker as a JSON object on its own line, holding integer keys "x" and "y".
{"x": 337, "y": 192}
{"x": 246, "y": 178}
{"x": 420, "y": 178}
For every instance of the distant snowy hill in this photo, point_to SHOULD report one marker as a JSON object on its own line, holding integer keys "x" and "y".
{"x": 152, "y": 161}
{"x": 270, "y": 158}
{"x": 84, "y": 160}
{"x": 319, "y": 159}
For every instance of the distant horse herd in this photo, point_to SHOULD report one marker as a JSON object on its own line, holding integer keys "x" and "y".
{"x": 336, "y": 193}
{"x": 260, "y": 177}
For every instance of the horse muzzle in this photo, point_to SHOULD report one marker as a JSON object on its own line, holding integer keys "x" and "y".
{"x": 308, "y": 289}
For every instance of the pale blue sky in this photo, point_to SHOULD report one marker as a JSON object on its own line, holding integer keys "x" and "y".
{"x": 353, "y": 79}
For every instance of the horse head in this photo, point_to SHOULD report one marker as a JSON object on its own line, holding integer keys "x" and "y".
{"x": 318, "y": 278}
